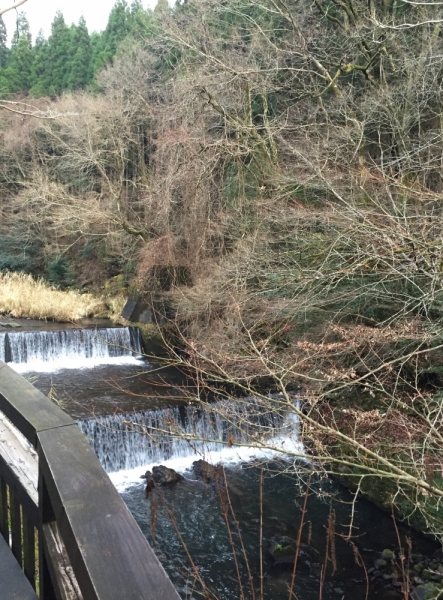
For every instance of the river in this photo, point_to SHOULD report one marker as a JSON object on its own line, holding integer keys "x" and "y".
{"x": 99, "y": 376}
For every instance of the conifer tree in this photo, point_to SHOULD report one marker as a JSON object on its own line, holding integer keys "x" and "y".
{"x": 4, "y": 56}
{"x": 41, "y": 68}
{"x": 70, "y": 57}
{"x": 117, "y": 27}
{"x": 19, "y": 70}
{"x": 96, "y": 48}
{"x": 141, "y": 23}
{"x": 59, "y": 55}
{"x": 135, "y": 7}
{"x": 116, "y": 30}
{"x": 81, "y": 73}
{"x": 4, "y": 51}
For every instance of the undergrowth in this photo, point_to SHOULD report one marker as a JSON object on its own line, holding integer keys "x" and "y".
{"x": 21, "y": 296}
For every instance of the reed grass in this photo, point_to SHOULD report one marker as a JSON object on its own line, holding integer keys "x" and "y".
{"x": 21, "y": 296}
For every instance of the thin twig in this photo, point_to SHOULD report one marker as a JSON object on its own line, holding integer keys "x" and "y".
{"x": 300, "y": 529}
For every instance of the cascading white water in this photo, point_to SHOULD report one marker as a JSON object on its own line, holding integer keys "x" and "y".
{"x": 69, "y": 348}
{"x": 120, "y": 446}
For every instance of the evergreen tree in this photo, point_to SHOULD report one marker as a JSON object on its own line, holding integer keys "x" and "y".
{"x": 41, "y": 69}
{"x": 136, "y": 6}
{"x": 4, "y": 56}
{"x": 141, "y": 23}
{"x": 97, "y": 45}
{"x": 4, "y": 51}
{"x": 116, "y": 30}
{"x": 19, "y": 70}
{"x": 81, "y": 73}
{"x": 70, "y": 57}
{"x": 59, "y": 55}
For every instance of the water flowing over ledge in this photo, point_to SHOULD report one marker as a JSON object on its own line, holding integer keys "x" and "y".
{"x": 47, "y": 351}
{"x": 180, "y": 435}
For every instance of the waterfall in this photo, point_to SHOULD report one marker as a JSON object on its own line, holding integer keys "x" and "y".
{"x": 142, "y": 439}
{"x": 69, "y": 348}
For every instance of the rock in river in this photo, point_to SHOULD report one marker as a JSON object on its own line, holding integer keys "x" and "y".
{"x": 204, "y": 470}
{"x": 164, "y": 475}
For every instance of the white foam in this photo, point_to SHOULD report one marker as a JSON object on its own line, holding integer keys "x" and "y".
{"x": 280, "y": 446}
{"x": 53, "y": 350}
{"x": 42, "y": 366}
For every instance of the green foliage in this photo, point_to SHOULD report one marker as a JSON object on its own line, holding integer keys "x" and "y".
{"x": 18, "y": 73}
{"x": 116, "y": 31}
{"x": 116, "y": 286}
{"x": 88, "y": 250}
{"x": 124, "y": 23}
{"x": 60, "y": 272}
{"x": 80, "y": 72}
{"x": 18, "y": 254}
{"x": 16, "y": 264}
{"x": 70, "y": 57}
{"x": 40, "y": 67}
{"x": 4, "y": 50}
{"x": 59, "y": 56}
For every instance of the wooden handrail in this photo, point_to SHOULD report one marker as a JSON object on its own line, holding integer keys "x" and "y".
{"x": 90, "y": 546}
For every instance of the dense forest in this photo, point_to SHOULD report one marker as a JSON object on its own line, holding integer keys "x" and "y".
{"x": 270, "y": 172}
{"x": 70, "y": 58}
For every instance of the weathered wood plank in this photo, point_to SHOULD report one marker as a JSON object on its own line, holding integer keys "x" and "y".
{"x": 62, "y": 573}
{"x": 13, "y": 583}
{"x": 108, "y": 552}
{"x": 16, "y": 449}
{"x": 16, "y": 527}
{"x": 20, "y": 456}
{"x": 19, "y": 467}
{"x": 4, "y": 529}
{"x": 29, "y": 549}
{"x": 28, "y": 409}
{"x": 45, "y": 585}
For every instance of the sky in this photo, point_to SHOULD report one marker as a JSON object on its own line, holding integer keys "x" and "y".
{"x": 41, "y": 13}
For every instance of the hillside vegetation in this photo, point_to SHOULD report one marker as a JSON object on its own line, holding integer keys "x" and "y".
{"x": 272, "y": 172}
{"x": 23, "y": 296}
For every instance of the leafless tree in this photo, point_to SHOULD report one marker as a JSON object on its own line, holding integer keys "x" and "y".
{"x": 321, "y": 243}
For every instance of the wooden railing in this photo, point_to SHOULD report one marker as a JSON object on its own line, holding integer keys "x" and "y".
{"x": 65, "y": 523}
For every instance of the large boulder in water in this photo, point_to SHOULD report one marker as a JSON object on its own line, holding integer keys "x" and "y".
{"x": 164, "y": 475}
{"x": 204, "y": 470}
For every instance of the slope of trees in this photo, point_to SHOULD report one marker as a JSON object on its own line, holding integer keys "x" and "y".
{"x": 272, "y": 170}
{"x": 70, "y": 57}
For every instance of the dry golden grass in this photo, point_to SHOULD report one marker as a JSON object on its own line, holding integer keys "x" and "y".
{"x": 23, "y": 296}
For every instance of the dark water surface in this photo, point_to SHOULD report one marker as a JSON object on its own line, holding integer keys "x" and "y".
{"x": 109, "y": 389}
{"x": 197, "y": 510}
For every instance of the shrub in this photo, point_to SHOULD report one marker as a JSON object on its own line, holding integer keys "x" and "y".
{"x": 9, "y": 262}
{"x": 60, "y": 272}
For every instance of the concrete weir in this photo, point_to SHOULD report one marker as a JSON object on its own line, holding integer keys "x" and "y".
{"x": 26, "y": 350}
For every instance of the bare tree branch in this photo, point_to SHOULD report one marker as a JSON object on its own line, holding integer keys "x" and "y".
{"x": 16, "y": 5}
